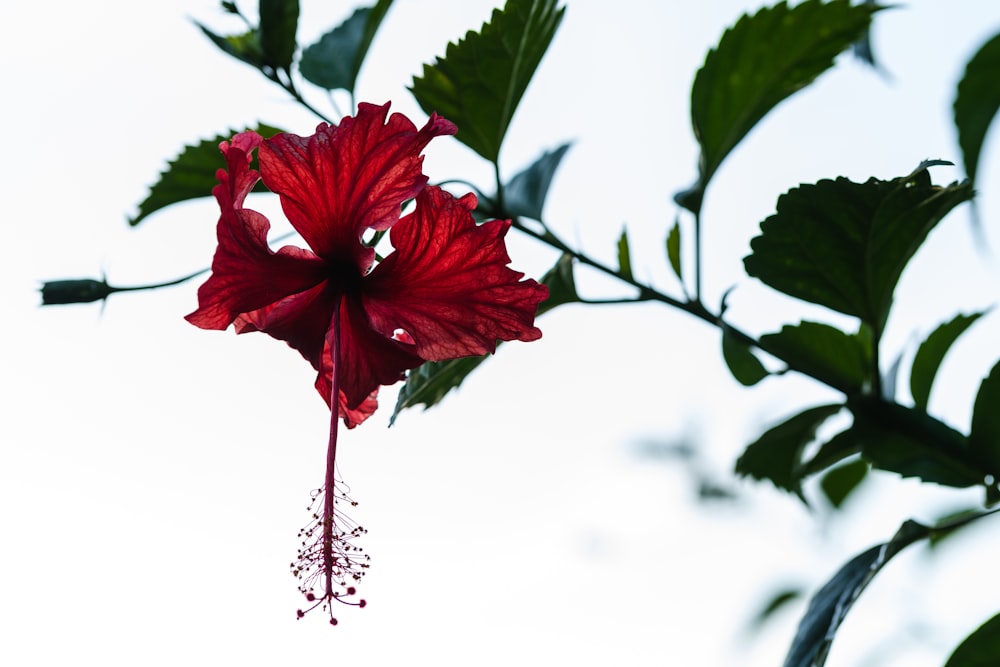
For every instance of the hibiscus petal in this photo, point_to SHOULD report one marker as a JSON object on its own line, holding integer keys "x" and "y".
{"x": 246, "y": 274}
{"x": 301, "y": 320}
{"x": 447, "y": 284}
{"x": 343, "y": 180}
{"x": 351, "y": 416}
{"x": 368, "y": 359}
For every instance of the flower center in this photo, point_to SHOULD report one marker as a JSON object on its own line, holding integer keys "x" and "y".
{"x": 344, "y": 277}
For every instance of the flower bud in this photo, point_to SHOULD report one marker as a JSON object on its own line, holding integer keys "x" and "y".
{"x": 82, "y": 290}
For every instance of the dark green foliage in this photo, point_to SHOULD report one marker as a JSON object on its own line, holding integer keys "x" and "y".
{"x": 279, "y": 20}
{"x": 844, "y": 245}
{"x": 777, "y": 455}
{"x": 480, "y": 81}
{"x": 830, "y": 605}
{"x": 980, "y": 649}
{"x": 836, "y": 449}
{"x": 335, "y": 60}
{"x": 912, "y": 444}
{"x": 828, "y": 354}
{"x": 984, "y": 437}
{"x": 744, "y": 365}
{"x": 191, "y": 174}
{"x": 931, "y": 353}
{"x": 524, "y": 195}
{"x": 759, "y": 62}
{"x": 562, "y": 286}
{"x": 976, "y": 103}
{"x": 842, "y": 481}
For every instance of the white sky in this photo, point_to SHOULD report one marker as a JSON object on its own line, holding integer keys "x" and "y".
{"x": 153, "y": 475}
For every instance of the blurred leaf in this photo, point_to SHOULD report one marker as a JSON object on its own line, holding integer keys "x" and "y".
{"x": 844, "y": 245}
{"x": 839, "y": 447}
{"x": 191, "y": 174}
{"x": 839, "y": 359}
{"x": 910, "y": 443}
{"x": 278, "y": 22}
{"x": 335, "y": 60}
{"x": 980, "y": 649}
{"x": 863, "y": 47}
{"x": 840, "y": 482}
{"x": 524, "y": 195}
{"x": 984, "y": 436}
{"x": 960, "y": 518}
{"x": 830, "y": 605}
{"x": 742, "y": 362}
{"x": 480, "y": 81}
{"x": 624, "y": 256}
{"x": 931, "y": 353}
{"x": 427, "y": 384}
{"x": 977, "y": 100}
{"x": 245, "y": 47}
{"x": 776, "y": 455}
{"x": 674, "y": 250}
{"x": 776, "y": 603}
{"x": 890, "y": 379}
{"x": 562, "y": 286}
{"x": 759, "y": 62}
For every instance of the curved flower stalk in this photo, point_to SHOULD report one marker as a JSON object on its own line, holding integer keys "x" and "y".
{"x": 445, "y": 291}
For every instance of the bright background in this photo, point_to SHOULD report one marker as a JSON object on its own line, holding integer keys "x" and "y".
{"x": 153, "y": 475}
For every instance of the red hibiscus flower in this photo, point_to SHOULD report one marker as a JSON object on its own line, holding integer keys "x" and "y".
{"x": 445, "y": 290}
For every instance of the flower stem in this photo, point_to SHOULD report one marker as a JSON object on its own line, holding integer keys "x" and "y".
{"x": 330, "y": 480}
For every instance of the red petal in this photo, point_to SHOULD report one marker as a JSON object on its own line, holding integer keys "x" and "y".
{"x": 447, "y": 283}
{"x": 369, "y": 359}
{"x": 301, "y": 320}
{"x": 246, "y": 274}
{"x": 346, "y": 179}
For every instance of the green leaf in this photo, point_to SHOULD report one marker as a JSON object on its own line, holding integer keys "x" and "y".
{"x": 524, "y": 195}
{"x": 742, "y": 362}
{"x": 245, "y": 47}
{"x": 759, "y": 62}
{"x": 278, "y": 22}
{"x": 624, "y": 256}
{"x": 777, "y": 602}
{"x": 959, "y": 518}
{"x": 910, "y": 443}
{"x": 839, "y": 447}
{"x": 984, "y": 436}
{"x": 980, "y": 649}
{"x": 777, "y": 455}
{"x": 562, "y": 286}
{"x": 844, "y": 245}
{"x": 674, "y": 250}
{"x": 481, "y": 79}
{"x": 931, "y": 353}
{"x": 828, "y": 354}
{"x": 335, "y": 60}
{"x": 428, "y": 384}
{"x": 191, "y": 174}
{"x": 977, "y": 100}
{"x": 830, "y": 605}
{"x": 842, "y": 481}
